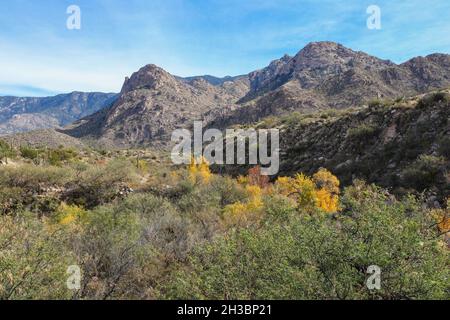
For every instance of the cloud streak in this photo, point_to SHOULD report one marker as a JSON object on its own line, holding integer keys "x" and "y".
{"x": 189, "y": 37}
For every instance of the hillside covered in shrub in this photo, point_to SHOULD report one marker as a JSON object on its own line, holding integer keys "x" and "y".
{"x": 402, "y": 145}
{"x": 139, "y": 228}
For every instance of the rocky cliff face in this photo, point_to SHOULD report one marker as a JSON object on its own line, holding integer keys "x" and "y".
{"x": 152, "y": 103}
{"x": 327, "y": 75}
{"x": 323, "y": 75}
{"x": 401, "y": 145}
{"x": 26, "y": 114}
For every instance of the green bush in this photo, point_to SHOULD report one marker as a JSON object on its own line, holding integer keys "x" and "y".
{"x": 363, "y": 132}
{"x": 373, "y": 104}
{"x": 220, "y": 192}
{"x": 324, "y": 257}
{"x": 11, "y": 200}
{"x": 425, "y": 172}
{"x": 31, "y": 177}
{"x": 29, "y": 153}
{"x": 6, "y": 151}
{"x": 57, "y": 156}
{"x": 432, "y": 99}
{"x": 33, "y": 260}
{"x": 100, "y": 184}
{"x": 444, "y": 147}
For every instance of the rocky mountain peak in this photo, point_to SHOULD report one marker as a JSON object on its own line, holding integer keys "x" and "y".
{"x": 320, "y": 76}
{"x": 317, "y": 53}
{"x": 149, "y": 77}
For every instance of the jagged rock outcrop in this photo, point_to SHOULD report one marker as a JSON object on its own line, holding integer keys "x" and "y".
{"x": 323, "y": 75}
{"x": 328, "y": 75}
{"x": 152, "y": 103}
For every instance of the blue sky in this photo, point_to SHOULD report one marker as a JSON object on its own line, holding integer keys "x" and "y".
{"x": 39, "y": 56}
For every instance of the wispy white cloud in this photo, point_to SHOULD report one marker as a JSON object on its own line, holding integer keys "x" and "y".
{"x": 188, "y": 37}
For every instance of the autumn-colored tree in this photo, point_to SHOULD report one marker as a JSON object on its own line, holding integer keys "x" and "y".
{"x": 256, "y": 178}
{"x": 199, "y": 170}
{"x": 443, "y": 218}
{"x": 244, "y": 213}
{"x": 324, "y": 179}
{"x": 327, "y": 201}
{"x": 68, "y": 214}
{"x": 328, "y": 190}
{"x": 301, "y": 188}
{"x": 319, "y": 192}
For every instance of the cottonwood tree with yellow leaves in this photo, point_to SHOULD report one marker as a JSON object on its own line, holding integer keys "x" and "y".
{"x": 321, "y": 191}
{"x": 199, "y": 170}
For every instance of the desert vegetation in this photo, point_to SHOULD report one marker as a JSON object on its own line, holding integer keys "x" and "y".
{"x": 139, "y": 228}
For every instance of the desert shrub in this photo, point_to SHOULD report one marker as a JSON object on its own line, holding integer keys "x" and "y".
{"x": 204, "y": 204}
{"x": 11, "y": 200}
{"x": 125, "y": 248}
{"x": 279, "y": 207}
{"x": 163, "y": 226}
{"x": 373, "y": 104}
{"x": 100, "y": 184}
{"x": 269, "y": 122}
{"x": 293, "y": 118}
{"x": 330, "y": 113}
{"x": 29, "y": 153}
{"x": 6, "y": 151}
{"x": 444, "y": 147}
{"x": 54, "y": 157}
{"x": 425, "y": 172}
{"x": 432, "y": 99}
{"x": 142, "y": 166}
{"x": 32, "y": 177}
{"x": 320, "y": 192}
{"x": 60, "y": 155}
{"x": 107, "y": 250}
{"x": 321, "y": 257}
{"x": 220, "y": 192}
{"x": 33, "y": 260}
{"x": 399, "y": 99}
{"x": 42, "y": 205}
{"x": 363, "y": 132}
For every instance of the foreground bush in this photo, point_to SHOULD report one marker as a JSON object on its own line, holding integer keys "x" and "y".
{"x": 207, "y": 236}
{"x": 33, "y": 260}
{"x": 425, "y": 172}
{"x": 321, "y": 257}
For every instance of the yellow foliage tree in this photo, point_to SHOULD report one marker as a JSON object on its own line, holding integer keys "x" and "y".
{"x": 322, "y": 191}
{"x": 443, "y": 218}
{"x": 324, "y": 179}
{"x": 67, "y": 214}
{"x": 328, "y": 190}
{"x": 199, "y": 170}
{"x": 244, "y": 213}
{"x": 301, "y": 188}
{"x": 327, "y": 201}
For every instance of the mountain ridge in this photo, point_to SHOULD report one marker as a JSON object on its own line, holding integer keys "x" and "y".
{"x": 21, "y": 114}
{"x": 323, "y": 75}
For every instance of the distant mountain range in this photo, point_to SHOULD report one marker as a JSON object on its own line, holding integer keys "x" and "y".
{"x": 25, "y": 114}
{"x": 322, "y": 75}
{"x": 152, "y": 102}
